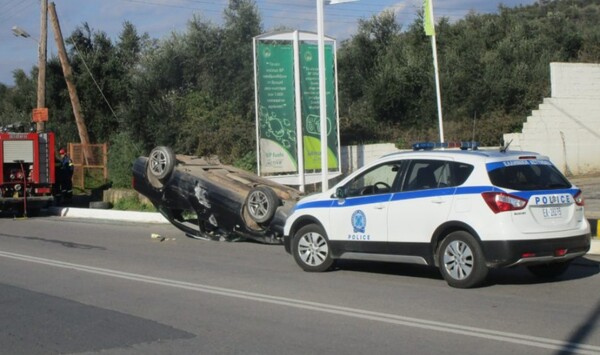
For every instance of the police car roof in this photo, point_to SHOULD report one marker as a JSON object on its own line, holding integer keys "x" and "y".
{"x": 487, "y": 154}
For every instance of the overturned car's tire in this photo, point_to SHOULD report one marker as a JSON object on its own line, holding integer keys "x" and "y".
{"x": 100, "y": 205}
{"x": 261, "y": 204}
{"x": 161, "y": 163}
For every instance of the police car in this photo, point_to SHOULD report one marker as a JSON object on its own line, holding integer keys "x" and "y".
{"x": 462, "y": 210}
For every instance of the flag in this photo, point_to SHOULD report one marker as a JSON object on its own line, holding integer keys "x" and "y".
{"x": 428, "y": 18}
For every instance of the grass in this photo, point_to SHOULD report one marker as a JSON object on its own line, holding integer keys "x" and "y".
{"x": 133, "y": 203}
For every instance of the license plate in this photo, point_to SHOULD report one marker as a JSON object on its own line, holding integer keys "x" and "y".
{"x": 552, "y": 212}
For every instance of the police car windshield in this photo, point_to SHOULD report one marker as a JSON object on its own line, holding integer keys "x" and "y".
{"x": 529, "y": 177}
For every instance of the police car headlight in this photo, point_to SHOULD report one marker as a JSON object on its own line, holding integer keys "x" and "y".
{"x": 18, "y": 187}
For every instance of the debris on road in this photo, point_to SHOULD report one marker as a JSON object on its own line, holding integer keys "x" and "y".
{"x": 159, "y": 237}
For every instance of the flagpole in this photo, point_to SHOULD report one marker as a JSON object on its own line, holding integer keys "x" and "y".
{"x": 322, "y": 98}
{"x": 437, "y": 88}
{"x": 429, "y": 25}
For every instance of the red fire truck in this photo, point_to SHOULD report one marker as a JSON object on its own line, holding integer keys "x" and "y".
{"x": 26, "y": 170}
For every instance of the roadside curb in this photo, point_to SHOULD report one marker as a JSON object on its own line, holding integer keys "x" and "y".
{"x": 114, "y": 215}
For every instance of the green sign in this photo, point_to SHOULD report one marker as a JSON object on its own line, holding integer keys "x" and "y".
{"x": 276, "y": 111}
{"x": 276, "y": 106}
{"x": 311, "y": 124}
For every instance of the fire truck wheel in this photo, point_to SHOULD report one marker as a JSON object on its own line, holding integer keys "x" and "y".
{"x": 100, "y": 205}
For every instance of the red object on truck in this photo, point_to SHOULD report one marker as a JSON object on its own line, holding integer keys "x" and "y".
{"x": 27, "y": 170}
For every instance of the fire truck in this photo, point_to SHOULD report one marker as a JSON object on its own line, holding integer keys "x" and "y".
{"x": 26, "y": 170}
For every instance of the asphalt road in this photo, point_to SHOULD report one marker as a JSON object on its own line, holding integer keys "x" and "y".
{"x": 76, "y": 286}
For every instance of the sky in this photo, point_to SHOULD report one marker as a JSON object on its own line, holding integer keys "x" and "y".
{"x": 159, "y": 18}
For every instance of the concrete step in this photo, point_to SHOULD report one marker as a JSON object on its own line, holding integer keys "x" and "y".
{"x": 551, "y": 125}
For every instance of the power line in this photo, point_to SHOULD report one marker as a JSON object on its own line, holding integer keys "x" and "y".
{"x": 146, "y": 2}
{"x": 299, "y": 11}
{"x": 275, "y": 11}
{"x": 94, "y": 80}
{"x": 17, "y": 11}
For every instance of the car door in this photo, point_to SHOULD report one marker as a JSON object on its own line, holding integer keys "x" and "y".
{"x": 359, "y": 218}
{"x": 423, "y": 203}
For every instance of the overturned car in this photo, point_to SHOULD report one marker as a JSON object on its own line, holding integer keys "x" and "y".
{"x": 209, "y": 200}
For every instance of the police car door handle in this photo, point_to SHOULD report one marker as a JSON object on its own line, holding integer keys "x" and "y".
{"x": 379, "y": 206}
{"x": 438, "y": 201}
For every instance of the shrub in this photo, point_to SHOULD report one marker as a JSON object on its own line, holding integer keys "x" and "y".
{"x": 121, "y": 154}
{"x": 133, "y": 203}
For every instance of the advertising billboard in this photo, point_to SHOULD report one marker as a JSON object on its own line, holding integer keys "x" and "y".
{"x": 288, "y": 105}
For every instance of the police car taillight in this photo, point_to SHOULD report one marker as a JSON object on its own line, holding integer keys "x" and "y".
{"x": 579, "y": 201}
{"x": 503, "y": 202}
{"x": 560, "y": 252}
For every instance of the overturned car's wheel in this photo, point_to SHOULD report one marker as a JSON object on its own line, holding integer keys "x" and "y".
{"x": 261, "y": 204}
{"x": 161, "y": 163}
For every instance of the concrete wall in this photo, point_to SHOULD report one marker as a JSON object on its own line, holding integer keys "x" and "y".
{"x": 566, "y": 126}
{"x": 355, "y": 156}
{"x": 575, "y": 80}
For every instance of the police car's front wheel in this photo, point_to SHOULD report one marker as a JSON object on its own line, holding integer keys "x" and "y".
{"x": 311, "y": 250}
{"x": 461, "y": 260}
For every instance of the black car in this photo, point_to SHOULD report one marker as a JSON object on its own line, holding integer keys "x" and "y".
{"x": 209, "y": 200}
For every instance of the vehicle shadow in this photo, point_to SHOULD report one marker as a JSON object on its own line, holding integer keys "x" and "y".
{"x": 384, "y": 268}
{"x": 581, "y": 268}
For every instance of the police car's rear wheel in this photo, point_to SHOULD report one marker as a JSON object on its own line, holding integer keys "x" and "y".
{"x": 461, "y": 260}
{"x": 311, "y": 250}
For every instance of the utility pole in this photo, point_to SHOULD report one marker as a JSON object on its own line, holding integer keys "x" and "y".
{"x": 68, "y": 74}
{"x": 41, "y": 87}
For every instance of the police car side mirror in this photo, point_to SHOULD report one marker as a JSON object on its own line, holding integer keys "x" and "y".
{"x": 340, "y": 192}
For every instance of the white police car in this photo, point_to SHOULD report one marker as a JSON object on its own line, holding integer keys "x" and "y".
{"x": 464, "y": 211}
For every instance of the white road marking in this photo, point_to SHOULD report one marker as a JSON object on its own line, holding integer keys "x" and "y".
{"x": 538, "y": 342}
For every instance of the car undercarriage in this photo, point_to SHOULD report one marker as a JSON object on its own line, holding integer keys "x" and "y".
{"x": 209, "y": 200}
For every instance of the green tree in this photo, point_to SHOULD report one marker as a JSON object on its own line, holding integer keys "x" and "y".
{"x": 242, "y": 23}
{"x": 123, "y": 150}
